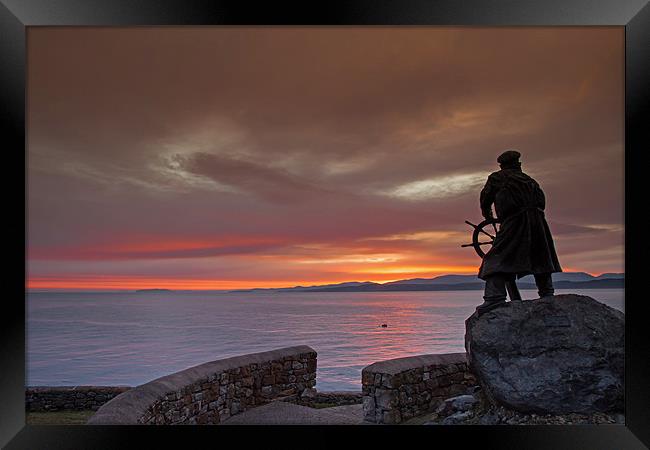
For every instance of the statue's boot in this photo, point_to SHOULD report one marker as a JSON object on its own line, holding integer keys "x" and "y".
{"x": 489, "y": 305}
{"x": 544, "y": 284}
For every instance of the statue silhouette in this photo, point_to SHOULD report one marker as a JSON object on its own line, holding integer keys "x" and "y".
{"x": 524, "y": 244}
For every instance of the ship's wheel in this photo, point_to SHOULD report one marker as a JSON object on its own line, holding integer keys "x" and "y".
{"x": 481, "y": 232}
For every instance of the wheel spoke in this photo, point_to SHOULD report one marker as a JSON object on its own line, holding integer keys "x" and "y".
{"x": 486, "y": 233}
{"x": 478, "y": 243}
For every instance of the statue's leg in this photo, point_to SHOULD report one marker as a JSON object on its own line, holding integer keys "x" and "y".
{"x": 544, "y": 282}
{"x": 495, "y": 293}
{"x": 511, "y": 287}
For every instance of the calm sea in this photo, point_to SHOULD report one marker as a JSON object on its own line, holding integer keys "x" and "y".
{"x": 131, "y": 338}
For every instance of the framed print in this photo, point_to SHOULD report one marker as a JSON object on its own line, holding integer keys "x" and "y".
{"x": 354, "y": 218}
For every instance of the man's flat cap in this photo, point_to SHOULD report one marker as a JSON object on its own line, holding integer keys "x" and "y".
{"x": 508, "y": 157}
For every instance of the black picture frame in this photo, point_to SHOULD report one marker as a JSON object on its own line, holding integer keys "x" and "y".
{"x": 17, "y": 15}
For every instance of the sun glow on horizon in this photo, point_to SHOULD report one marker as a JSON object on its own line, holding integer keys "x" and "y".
{"x": 375, "y": 275}
{"x": 412, "y": 270}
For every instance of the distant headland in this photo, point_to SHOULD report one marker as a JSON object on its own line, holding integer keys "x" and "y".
{"x": 562, "y": 280}
{"x": 153, "y": 290}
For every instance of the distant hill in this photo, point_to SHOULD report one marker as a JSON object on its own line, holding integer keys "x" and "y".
{"x": 351, "y": 285}
{"x": 605, "y": 283}
{"x": 443, "y": 279}
{"x": 562, "y": 280}
{"x": 608, "y": 276}
{"x": 153, "y": 290}
{"x": 458, "y": 279}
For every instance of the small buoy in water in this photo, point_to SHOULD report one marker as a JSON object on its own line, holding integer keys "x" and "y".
{"x": 383, "y": 325}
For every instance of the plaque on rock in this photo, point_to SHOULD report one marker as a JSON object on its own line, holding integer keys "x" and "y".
{"x": 557, "y": 321}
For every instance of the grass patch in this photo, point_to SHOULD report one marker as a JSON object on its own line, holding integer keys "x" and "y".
{"x": 322, "y": 405}
{"x": 58, "y": 417}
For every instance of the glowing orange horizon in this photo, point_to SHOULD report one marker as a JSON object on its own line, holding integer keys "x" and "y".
{"x": 134, "y": 282}
{"x": 179, "y": 284}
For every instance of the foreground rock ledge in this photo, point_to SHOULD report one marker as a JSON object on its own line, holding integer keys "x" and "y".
{"x": 558, "y": 354}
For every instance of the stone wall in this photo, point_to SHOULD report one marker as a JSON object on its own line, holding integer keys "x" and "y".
{"x": 399, "y": 389}
{"x": 57, "y": 398}
{"x": 212, "y": 392}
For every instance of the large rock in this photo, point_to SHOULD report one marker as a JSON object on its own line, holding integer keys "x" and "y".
{"x": 552, "y": 355}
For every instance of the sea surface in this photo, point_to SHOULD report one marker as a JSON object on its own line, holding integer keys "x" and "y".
{"x": 127, "y": 338}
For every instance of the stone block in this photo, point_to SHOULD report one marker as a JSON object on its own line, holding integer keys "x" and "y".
{"x": 367, "y": 377}
{"x": 387, "y": 381}
{"x": 386, "y": 398}
{"x": 412, "y": 376}
{"x": 391, "y": 417}
{"x": 257, "y": 381}
{"x": 369, "y": 403}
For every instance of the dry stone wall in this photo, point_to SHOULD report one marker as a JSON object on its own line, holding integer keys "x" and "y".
{"x": 58, "y": 398}
{"x": 212, "y": 392}
{"x": 399, "y": 389}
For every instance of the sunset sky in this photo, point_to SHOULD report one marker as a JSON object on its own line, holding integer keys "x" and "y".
{"x": 222, "y": 158}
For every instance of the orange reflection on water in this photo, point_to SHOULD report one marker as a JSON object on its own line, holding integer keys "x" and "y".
{"x": 405, "y": 320}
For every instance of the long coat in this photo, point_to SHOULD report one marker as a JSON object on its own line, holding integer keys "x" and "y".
{"x": 524, "y": 244}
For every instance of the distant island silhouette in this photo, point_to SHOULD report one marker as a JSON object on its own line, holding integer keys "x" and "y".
{"x": 154, "y": 290}
{"x": 562, "y": 280}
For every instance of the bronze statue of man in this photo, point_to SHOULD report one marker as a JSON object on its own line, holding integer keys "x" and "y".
{"x": 524, "y": 244}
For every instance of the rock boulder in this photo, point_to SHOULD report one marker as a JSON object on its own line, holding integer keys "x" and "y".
{"x": 557, "y": 354}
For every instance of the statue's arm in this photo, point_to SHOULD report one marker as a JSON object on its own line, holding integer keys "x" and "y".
{"x": 487, "y": 198}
